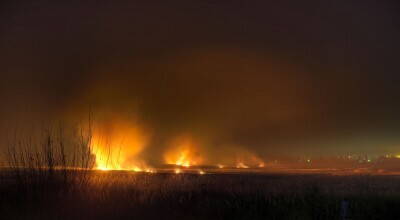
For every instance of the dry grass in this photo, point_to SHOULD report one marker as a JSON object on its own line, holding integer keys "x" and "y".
{"x": 50, "y": 177}
{"x": 129, "y": 195}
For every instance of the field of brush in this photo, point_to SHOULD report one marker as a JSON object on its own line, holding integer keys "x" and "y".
{"x": 55, "y": 178}
{"x": 60, "y": 194}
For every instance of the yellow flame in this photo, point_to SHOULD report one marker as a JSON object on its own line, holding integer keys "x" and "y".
{"x": 247, "y": 159}
{"x": 103, "y": 168}
{"x": 116, "y": 146}
{"x": 149, "y": 170}
{"x": 184, "y": 159}
{"x": 137, "y": 169}
{"x": 183, "y": 153}
{"x": 241, "y": 165}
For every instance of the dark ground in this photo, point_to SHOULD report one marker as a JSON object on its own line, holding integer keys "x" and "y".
{"x": 123, "y": 195}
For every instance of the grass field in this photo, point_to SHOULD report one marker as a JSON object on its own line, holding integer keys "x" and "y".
{"x": 55, "y": 178}
{"x": 129, "y": 195}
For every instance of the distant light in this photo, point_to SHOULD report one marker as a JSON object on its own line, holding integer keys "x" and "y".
{"x": 201, "y": 172}
{"x": 178, "y": 171}
{"x": 308, "y": 161}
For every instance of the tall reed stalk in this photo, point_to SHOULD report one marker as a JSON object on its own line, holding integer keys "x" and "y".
{"x": 54, "y": 154}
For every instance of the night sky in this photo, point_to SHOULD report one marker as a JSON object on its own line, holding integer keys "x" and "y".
{"x": 274, "y": 77}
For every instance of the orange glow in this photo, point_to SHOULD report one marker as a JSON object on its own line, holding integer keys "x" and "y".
{"x": 149, "y": 170}
{"x": 177, "y": 171}
{"x": 137, "y": 169}
{"x": 201, "y": 172}
{"x": 103, "y": 168}
{"x": 183, "y": 153}
{"x": 117, "y": 145}
{"x": 247, "y": 159}
{"x": 241, "y": 165}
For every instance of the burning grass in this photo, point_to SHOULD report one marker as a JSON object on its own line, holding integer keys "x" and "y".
{"x": 48, "y": 183}
{"x": 116, "y": 146}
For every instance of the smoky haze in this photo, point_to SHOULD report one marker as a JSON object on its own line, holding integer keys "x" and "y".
{"x": 271, "y": 78}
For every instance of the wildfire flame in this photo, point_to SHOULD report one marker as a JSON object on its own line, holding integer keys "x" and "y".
{"x": 116, "y": 146}
{"x": 247, "y": 159}
{"x": 184, "y": 153}
{"x": 241, "y": 165}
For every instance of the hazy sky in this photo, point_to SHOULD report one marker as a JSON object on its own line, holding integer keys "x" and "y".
{"x": 273, "y": 76}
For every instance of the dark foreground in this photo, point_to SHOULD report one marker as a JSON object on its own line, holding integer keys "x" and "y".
{"x": 121, "y": 195}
